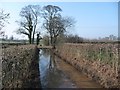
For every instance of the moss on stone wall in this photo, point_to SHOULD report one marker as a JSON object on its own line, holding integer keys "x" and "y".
{"x": 20, "y": 68}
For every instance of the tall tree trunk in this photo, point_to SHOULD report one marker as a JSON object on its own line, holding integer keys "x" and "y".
{"x": 54, "y": 42}
{"x": 34, "y": 30}
{"x": 33, "y": 34}
{"x": 33, "y": 37}
{"x": 51, "y": 40}
{"x": 29, "y": 39}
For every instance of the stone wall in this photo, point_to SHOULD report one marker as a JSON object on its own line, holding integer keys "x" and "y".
{"x": 20, "y": 68}
{"x": 98, "y": 61}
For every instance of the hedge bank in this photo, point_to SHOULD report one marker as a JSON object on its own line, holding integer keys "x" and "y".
{"x": 98, "y": 61}
{"x": 20, "y": 68}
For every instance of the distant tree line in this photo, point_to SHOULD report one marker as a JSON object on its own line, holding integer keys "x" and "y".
{"x": 70, "y": 38}
{"x": 73, "y": 39}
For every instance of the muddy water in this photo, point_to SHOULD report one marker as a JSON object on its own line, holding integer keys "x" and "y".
{"x": 55, "y": 73}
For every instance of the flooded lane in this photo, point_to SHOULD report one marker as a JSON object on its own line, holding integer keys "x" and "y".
{"x": 56, "y": 73}
{"x": 50, "y": 75}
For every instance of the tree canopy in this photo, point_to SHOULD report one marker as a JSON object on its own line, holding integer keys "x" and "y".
{"x": 54, "y": 23}
{"x": 30, "y": 18}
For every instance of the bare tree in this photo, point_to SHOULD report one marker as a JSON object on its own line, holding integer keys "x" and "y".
{"x": 30, "y": 18}
{"x": 55, "y": 23}
{"x": 49, "y": 12}
{"x": 3, "y": 19}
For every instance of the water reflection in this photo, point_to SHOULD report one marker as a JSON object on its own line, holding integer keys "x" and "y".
{"x": 44, "y": 52}
{"x": 52, "y": 64}
{"x": 51, "y": 76}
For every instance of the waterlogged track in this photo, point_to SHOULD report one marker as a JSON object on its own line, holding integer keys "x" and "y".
{"x": 50, "y": 75}
{"x": 55, "y": 73}
{"x": 79, "y": 79}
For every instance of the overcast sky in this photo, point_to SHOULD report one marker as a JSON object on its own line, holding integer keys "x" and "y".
{"x": 93, "y": 19}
